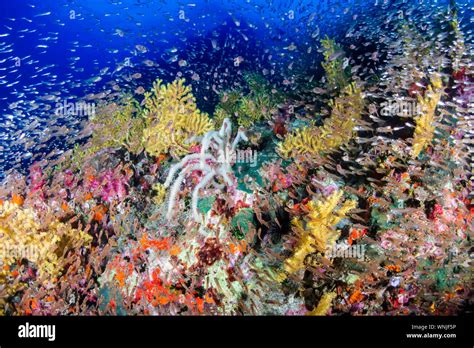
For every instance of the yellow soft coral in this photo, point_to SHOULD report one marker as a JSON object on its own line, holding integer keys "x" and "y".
{"x": 160, "y": 193}
{"x": 252, "y": 110}
{"x": 425, "y": 128}
{"x": 337, "y": 130}
{"x": 23, "y": 236}
{"x": 324, "y": 304}
{"x": 318, "y": 233}
{"x": 172, "y": 118}
{"x": 115, "y": 125}
{"x": 335, "y": 75}
{"x": 255, "y": 109}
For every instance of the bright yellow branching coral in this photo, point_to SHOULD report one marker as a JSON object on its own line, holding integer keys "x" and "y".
{"x": 425, "y": 128}
{"x": 324, "y": 304}
{"x": 333, "y": 66}
{"x": 160, "y": 193}
{"x": 317, "y": 232}
{"x": 172, "y": 117}
{"x": 22, "y": 235}
{"x": 336, "y": 131}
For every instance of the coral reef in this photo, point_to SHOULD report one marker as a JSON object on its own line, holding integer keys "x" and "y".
{"x": 337, "y": 130}
{"x": 317, "y": 233}
{"x": 425, "y": 127}
{"x": 353, "y": 203}
{"x": 171, "y": 119}
{"x": 245, "y": 109}
{"x": 214, "y": 161}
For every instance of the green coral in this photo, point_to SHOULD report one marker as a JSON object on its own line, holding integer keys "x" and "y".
{"x": 245, "y": 109}
{"x": 119, "y": 125}
{"x": 241, "y": 222}
{"x": 228, "y": 106}
{"x": 115, "y": 125}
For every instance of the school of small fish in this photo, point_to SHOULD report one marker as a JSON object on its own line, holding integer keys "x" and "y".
{"x": 258, "y": 157}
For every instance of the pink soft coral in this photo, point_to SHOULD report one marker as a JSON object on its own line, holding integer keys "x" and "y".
{"x": 110, "y": 185}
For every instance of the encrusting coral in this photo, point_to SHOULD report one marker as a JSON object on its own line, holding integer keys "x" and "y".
{"x": 337, "y": 130}
{"x": 172, "y": 117}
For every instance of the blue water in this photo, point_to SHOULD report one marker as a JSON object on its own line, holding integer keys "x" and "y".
{"x": 84, "y": 37}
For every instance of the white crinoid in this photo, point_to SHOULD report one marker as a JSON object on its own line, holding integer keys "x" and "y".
{"x": 214, "y": 161}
